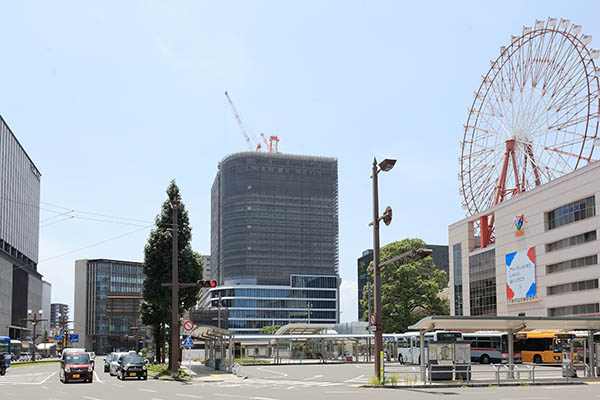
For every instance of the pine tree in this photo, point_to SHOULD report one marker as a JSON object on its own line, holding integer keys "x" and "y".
{"x": 156, "y": 305}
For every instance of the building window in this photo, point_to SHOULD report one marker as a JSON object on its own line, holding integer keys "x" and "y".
{"x": 571, "y": 241}
{"x": 574, "y": 310}
{"x": 458, "y": 293}
{"x": 573, "y": 287}
{"x": 572, "y": 264}
{"x": 572, "y": 212}
{"x": 482, "y": 283}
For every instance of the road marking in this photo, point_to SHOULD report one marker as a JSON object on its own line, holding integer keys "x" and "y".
{"x": 354, "y": 379}
{"x": 338, "y": 391}
{"x": 147, "y": 390}
{"x": 189, "y": 395}
{"x": 272, "y": 372}
{"x": 45, "y": 387}
{"x": 291, "y": 387}
{"x": 48, "y": 377}
{"x": 262, "y": 398}
{"x": 97, "y": 377}
{"x": 90, "y": 398}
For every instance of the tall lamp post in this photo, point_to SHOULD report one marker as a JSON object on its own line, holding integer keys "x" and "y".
{"x": 33, "y": 318}
{"x": 386, "y": 165}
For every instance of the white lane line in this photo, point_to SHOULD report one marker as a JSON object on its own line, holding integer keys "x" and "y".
{"x": 290, "y": 388}
{"x": 90, "y": 398}
{"x": 147, "y": 390}
{"x": 262, "y": 398}
{"x": 45, "y": 387}
{"x": 48, "y": 377}
{"x": 338, "y": 391}
{"x": 97, "y": 377}
{"x": 188, "y": 395}
{"x": 154, "y": 398}
{"x": 354, "y": 379}
{"x": 272, "y": 372}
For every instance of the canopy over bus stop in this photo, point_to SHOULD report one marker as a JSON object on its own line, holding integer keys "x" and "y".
{"x": 216, "y": 340}
{"x": 509, "y": 324}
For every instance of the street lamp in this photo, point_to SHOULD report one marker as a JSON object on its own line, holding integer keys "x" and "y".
{"x": 308, "y": 308}
{"x": 386, "y": 165}
{"x": 33, "y": 318}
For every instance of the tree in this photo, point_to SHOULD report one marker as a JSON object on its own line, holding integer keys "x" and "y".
{"x": 270, "y": 329}
{"x": 156, "y": 306}
{"x": 410, "y": 290}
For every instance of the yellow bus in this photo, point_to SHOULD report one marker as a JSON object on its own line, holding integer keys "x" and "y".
{"x": 542, "y": 346}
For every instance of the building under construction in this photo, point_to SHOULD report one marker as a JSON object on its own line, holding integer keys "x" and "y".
{"x": 274, "y": 239}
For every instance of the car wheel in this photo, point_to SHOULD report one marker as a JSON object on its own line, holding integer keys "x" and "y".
{"x": 91, "y": 379}
{"x": 484, "y": 359}
{"x": 537, "y": 359}
{"x": 145, "y": 377}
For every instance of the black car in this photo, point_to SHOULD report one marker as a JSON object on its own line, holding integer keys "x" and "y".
{"x": 130, "y": 366}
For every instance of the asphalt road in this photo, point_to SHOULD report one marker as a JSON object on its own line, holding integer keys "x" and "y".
{"x": 41, "y": 382}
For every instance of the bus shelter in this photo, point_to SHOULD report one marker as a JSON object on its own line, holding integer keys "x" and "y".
{"x": 510, "y": 324}
{"x": 218, "y": 346}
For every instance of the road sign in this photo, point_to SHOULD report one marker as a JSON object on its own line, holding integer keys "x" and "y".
{"x": 188, "y": 325}
{"x": 188, "y": 342}
{"x": 372, "y": 319}
{"x": 57, "y": 337}
{"x": 62, "y": 331}
{"x": 74, "y": 338}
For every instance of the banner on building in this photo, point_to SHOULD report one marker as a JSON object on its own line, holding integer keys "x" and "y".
{"x": 520, "y": 274}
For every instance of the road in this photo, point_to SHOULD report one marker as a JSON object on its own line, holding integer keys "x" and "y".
{"x": 268, "y": 383}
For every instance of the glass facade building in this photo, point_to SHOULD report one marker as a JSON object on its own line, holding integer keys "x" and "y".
{"x": 20, "y": 282}
{"x": 108, "y": 294}
{"x": 275, "y": 216}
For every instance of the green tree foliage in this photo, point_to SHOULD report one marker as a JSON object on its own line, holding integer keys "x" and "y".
{"x": 410, "y": 289}
{"x": 156, "y": 305}
{"x": 270, "y": 329}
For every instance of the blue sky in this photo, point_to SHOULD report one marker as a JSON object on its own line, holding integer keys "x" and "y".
{"x": 112, "y": 100}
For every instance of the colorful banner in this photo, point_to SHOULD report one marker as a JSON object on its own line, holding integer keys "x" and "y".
{"x": 520, "y": 274}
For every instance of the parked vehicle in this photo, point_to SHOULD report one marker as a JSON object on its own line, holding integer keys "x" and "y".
{"x": 107, "y": 361}
{"x": 76, "y": 366}
{"x": 130, "y": 366}
{"x": 491, "y": 347}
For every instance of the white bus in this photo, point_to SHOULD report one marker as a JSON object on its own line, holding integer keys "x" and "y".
{"x": 409, "y": 347}
{"x": 491, "y": 347}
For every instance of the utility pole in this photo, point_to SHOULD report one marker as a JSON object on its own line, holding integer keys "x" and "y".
{"x": 175, "y": 295}
{"x": 34, "y": 322}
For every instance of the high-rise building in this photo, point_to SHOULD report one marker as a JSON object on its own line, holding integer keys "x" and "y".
{"x": 108, "y": 294}
{"x": 46, "y": 312}
{"x": 362, "y": 265}
{"x": 274, "y": 239}
{"x": 20, "y": 282}
{"x": 58, "y": 313}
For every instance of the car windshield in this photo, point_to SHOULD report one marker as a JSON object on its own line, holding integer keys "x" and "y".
{"x": 133, "y": 359}
{"x": 77, "y": 359}
{"x": 4, "y": 346}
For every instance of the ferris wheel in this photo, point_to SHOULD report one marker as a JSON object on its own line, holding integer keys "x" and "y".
{"x": 534, "y": 117}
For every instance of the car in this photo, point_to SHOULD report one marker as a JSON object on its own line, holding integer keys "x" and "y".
{"x": 107, "y": 361}
{"x": 76, "y": 366}
{"x": 114, "y": 363}
{"x": 131, "y": 366}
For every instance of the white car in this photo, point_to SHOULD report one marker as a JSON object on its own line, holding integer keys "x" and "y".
{"x": 114, "y": 363}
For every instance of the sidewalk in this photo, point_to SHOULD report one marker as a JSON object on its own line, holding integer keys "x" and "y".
{"x": 201, "y": 373}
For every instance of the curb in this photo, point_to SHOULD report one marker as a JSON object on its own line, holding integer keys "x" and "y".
{"x": 473, "y": 385}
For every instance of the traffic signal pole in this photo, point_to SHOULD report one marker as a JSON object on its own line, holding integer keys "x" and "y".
{"x": 175, "y": 296}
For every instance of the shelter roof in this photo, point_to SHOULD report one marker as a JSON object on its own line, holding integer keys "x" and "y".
{"x": 210, "y": 332}
{"x": 303, "y": 329}
{"x": 506, "y": 323}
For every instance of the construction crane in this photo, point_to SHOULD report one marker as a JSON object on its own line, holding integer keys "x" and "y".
{"x": 239, "y": 121}
{"x": 272, "y": 145}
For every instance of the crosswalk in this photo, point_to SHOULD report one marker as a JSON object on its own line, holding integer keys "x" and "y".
{"x": 36, "y": 378}
{"x": 283, "y": 383}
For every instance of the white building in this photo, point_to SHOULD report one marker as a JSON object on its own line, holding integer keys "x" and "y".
{"x": 545, "y": 266}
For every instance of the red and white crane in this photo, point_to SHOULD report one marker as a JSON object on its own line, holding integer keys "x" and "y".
{"x": 268, "y": 145}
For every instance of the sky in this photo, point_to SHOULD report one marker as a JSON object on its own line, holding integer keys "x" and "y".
{"x": 112, "y": 100}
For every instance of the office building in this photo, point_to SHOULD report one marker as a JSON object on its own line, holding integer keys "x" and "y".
{"x": 20, "y": 282}
{"x": 58, "y": 311}
{"x": 543, "y": 260}
{"x": 46, "y": 312}
{"x": 274, "y": 239}
{"x": 108, "y": 294}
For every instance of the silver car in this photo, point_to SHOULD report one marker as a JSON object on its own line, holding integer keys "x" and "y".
{"x": 114, "y": 363}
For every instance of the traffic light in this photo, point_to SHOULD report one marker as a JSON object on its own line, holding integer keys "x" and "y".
{"x": 206, "y": 283}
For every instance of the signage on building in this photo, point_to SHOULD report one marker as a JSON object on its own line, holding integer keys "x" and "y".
{"x": 520, "y": 225}
{"x": 520, "y": 274}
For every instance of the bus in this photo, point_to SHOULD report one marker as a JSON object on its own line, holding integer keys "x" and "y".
{"x": 408, "y": 345}
{"x": 17, "y": 348}
{"x": 491, "y": 347}
{"x": 542, "y": 346}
